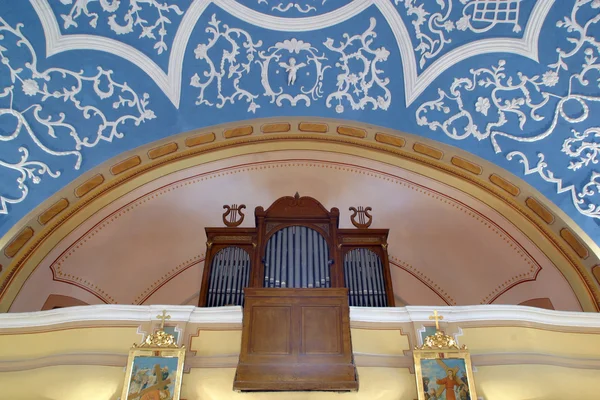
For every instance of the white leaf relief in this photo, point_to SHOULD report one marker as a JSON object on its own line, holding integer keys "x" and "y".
{"x": 303, "y": 7}
{"x": 433, "y": 24}
{"x": 36, "y": 123}
{"x": 303, "y": 64}
{"x": 534, "y": 104}
{"x": 355, "y": 87}
{"x": 131, "y": 20}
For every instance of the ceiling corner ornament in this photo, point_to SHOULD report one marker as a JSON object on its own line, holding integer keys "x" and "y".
{"x": 94, "y": 107}
{"x": 414, "y": 82}
{"x": 520, "y": 109}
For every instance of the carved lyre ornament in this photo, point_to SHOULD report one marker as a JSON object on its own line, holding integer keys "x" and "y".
{"x": 364, "y": 218}
{"x": 233, "y": 216}
{"x": 159, "y": 338}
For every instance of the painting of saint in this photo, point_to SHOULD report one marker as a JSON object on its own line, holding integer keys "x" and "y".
{"x": 152, "y": 378}
{"x": 446, "y": 379}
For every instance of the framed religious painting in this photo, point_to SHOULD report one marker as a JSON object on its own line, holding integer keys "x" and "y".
{"x": 154, "y": 368}
{"x": 443, "y": 370}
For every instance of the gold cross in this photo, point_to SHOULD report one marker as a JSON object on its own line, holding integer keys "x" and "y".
{"x": 163, "y": 317}
{"x": 437, "y": 318}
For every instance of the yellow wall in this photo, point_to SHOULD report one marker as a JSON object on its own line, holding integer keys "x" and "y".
{"x": 522, "y": 381}
{"x": 82, "y": 340}
{"x": 69, "y": 382}
{"x": 530, "y": 340}
{"x": 375, "y": 384}
{"x": 536, "y": 382}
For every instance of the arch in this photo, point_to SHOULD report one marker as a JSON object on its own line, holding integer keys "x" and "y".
{"x": 569, "y": 248}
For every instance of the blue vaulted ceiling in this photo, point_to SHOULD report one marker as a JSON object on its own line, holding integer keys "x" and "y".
{"x": 512, "y": 81}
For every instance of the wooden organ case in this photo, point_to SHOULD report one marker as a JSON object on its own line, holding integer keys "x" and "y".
{"x": 296, "y": 274}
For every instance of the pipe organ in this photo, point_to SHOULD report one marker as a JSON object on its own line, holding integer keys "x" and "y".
{"x": 296, "y": 244}
{"x": 296, "y": 274}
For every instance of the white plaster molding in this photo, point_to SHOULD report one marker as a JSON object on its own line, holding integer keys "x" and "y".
{"x": 303, "y": 24}
{"x": 170, "y": 82}
{"x": 124, "y": 313}
{"x": 480, "y": 313}
{"x": 233, "y": 315}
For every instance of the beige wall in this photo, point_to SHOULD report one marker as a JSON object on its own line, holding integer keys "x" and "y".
{"x": 519, "y": 360}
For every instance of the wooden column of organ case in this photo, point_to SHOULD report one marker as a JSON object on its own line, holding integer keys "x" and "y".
{"x": 296, "y": 274}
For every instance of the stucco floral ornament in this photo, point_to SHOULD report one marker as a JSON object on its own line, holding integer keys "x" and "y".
{"x": 30, "y": 87}
{"x": 550, "y": 78}
{"x": 45, "y": 111}
{"x": 482, "y": 105}
{"x": 368, "y": 86}
{"x": 532, "y": 107}
{"x": 434, "y": 21}
{"x": 138, "y": 15}
{"x": 360, "y": 83}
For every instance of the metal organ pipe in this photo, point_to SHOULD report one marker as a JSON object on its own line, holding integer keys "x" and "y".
{"x": 363, "y": 276}
{"x": 297, "y": 257}
{"x": 229, "y": 275}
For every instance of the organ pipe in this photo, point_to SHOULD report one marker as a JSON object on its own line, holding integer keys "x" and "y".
{"x": 363, "y": 276}
{"x": 297, "y": 257}
{"x": 229, "y": 274}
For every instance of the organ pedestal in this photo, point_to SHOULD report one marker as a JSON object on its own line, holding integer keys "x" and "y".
{"x": 296, "y": 339}
{"x": 296, "y": 273}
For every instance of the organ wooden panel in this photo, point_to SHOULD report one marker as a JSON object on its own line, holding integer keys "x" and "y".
{"x": 296, "y": 339}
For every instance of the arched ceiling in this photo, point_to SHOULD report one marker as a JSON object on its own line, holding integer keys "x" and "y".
{"x": 514, "y": 82}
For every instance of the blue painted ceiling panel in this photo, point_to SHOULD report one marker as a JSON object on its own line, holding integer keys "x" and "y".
{"x": 512, "y": 81}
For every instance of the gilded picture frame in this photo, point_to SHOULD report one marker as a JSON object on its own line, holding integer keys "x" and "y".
{"x": 443, "y": 371}
{"x": 154, "y": 368}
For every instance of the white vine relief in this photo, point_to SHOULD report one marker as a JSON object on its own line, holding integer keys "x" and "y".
{"x": 229, "y": 71}
{"x": 133, "y": 18}
{"x": 494, "y": 103}
{"x": 303, "y": 7}
{"x": 434, "y": 26}
{"x": 355, "y": 87}
{"x": 34, "y": 125}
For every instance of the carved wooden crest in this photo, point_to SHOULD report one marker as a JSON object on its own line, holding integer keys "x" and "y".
{"x": 364, "y": 218}
{"x": 234, "y": 215}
